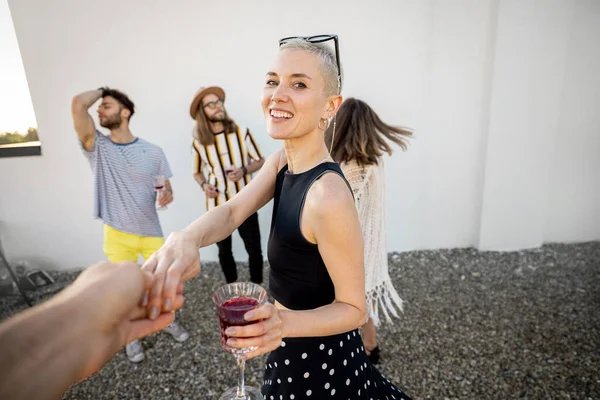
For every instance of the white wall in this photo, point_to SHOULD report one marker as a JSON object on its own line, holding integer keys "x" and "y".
{"x": 444, "y": 68}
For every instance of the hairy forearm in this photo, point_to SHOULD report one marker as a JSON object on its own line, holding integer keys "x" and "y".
{"x": 255, "y": 166}
{"x": 328, "y": 320}
{"x": 87, "y": 99}
{"x": 200, "y": 178}
{"x": 41, "y": 352}
{"x": 212, "y": 227}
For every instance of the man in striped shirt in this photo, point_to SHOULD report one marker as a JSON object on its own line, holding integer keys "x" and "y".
{"x": 124, "y": 168}
{"x": 226, "y": 156}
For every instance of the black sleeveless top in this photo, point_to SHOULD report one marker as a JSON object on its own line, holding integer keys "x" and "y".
{"x": 298, "y": 278}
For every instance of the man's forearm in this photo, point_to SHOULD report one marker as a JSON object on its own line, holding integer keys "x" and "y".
{"x": 254, "y": 166}
{"x": 87, "y": 99}
{"x": 41, "y": 352}
{"x": 200, "y": 178}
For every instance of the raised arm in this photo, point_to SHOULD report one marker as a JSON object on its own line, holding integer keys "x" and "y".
{"x": 178, "y": 259}
{"x": 82, "y": 120}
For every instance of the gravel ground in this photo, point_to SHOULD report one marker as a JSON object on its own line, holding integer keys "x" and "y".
{"x": 476, "y": 325}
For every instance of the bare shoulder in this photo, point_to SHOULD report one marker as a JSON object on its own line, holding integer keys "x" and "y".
{"x": 330, "y": 196}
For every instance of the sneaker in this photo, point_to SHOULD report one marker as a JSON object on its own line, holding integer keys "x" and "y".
{"x": 135, "y": 351}
{"x": 177, "y": 332}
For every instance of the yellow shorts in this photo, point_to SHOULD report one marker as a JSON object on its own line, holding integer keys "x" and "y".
{"x": 121, "y": 246}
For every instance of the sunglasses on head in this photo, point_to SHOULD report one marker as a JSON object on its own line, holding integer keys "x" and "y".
{"x": 320, "y": 39}
{"x": 213, "y": 104}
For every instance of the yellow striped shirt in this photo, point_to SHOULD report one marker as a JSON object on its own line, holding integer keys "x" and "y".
{"x": 231, "y": 150}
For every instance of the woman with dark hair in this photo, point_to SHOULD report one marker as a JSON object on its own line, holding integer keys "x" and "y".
{"x": 315, "y": 247}
{"x": 358, "y": 145}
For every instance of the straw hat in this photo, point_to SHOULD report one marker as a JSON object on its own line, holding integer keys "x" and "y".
{"x": 203, "y": 91}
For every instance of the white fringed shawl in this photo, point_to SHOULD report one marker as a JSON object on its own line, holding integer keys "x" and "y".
{"x": 368, "y": 185}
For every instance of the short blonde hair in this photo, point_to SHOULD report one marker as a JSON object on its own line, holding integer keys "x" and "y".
{"x": 329, "y": 69}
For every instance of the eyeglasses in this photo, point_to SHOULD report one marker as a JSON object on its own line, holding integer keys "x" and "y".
{"x": 213, "y": 104}
{"x": 320, "y": 39}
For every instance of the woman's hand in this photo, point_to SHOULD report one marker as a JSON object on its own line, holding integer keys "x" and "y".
{"x": 175, "y": 262}
{"x": 266, "y": 334}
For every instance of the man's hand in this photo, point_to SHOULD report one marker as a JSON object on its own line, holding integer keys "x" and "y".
{"x": 108, "y": 298}
{"x": 235, "y": 174}
{"x": 210, "y": 191}
{"x": 165, "y": 198}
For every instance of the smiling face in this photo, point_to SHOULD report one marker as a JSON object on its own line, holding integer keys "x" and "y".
{"x": 294, "y": 98}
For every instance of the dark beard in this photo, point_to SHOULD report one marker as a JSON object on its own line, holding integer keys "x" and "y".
{"x": 218, "y": 118}
{"x": 112, "y": 122}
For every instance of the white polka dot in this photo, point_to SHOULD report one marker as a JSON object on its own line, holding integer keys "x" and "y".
{"x": 369, "y": 382}
{"x": 304, "y": 355}
{"x": 361, "y": 367}
{"x": 341, "y": 343}
{"x": 362, "y": 348}
{"x": 272, "y": 397}
{"x": 345, "y": 363}
{"x": 270, "y": 366}
{"x": 287, "y": 362}
{"x": 324, "y": 366}
{"x": 356, "y": 372}
{"x": 365, "y": 385}
{"x": 308, "y": 392}
{"x": 330, "y": 352}
{"x": 278, "y": 380}
{"x": 327, "y": 385}
{"x": 306, "y": 374}
{"x": 365, "y": 364}
{"x": 282, "y": 344}
{"x": 290, "y": 380}
{"x": 332, "y": 392}
{"x": 275, "y": 365}
{"x": 348, "y": 382}
{"x": 321, "y": 347}
{"x": 348, "y": 336}
{"x": 292, "y": 396}
{"x": 359, "y": 392}
{"x": 332, "y": 371}
{"x": 354, "y": 334}
{"x": 281, "y": 397}
{"x": 352, "y": 353}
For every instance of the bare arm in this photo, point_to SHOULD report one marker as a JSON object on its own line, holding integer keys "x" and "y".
{"x": 220, "y": 222}
{"x": 82, "y": 120}
{"x": 42, "y": 355}
{"x": 255, "y": 166}
{"x": 330, "y": 220}
{"x": 178, "y": 259}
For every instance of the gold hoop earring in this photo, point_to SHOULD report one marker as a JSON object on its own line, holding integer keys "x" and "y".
{"x": 327, "y": 123}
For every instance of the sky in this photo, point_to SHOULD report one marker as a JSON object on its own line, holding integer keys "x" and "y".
{"x": 16, "y": 109}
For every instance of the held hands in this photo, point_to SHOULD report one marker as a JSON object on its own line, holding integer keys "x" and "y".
{"x": 178, "y": 260}
{"x": 266, "y": 334}
{"x": 106, "y": 301}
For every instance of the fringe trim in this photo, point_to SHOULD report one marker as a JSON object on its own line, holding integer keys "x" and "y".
{"x": 384, "y": 296}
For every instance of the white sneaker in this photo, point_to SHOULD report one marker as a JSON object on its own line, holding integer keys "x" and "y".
{"x": 177, "y": 332}
{"x": 135, "y": 351}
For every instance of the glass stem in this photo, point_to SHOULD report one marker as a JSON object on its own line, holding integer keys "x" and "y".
{"x": 241, "y": 388}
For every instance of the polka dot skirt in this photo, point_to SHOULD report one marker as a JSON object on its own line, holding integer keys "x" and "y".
{"x": 332, "y": 367}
